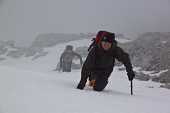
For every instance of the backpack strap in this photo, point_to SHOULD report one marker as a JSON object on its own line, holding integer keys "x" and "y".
{"x": 96, "y": 54}
{"x": 92, "y": 44}
{"x": 114, "y": 52}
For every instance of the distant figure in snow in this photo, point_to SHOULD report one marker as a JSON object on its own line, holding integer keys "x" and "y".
{"x": 99, "y": 63}
{"x": 66, "y": 59}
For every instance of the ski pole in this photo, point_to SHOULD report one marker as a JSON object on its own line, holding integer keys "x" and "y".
{"x": 131, "y": 88}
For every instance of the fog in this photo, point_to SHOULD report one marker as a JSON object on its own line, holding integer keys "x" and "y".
{"x": 23, "y": 20}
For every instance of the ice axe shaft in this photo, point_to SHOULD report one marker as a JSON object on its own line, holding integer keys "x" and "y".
{"x": 131, "y": 87}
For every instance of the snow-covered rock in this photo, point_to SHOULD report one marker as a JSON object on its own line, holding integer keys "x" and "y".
{"x": 150, "y": 51}
{"x": 50, "y": 40}
{"x": 7, "y": 43}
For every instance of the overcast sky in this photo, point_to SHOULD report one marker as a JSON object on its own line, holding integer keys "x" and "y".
{"x": 23, "y": 20}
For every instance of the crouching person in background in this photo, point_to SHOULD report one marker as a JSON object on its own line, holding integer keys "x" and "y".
{"x": 66, "y": 59}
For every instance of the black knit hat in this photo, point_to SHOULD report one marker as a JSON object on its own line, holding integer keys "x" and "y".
{"x": 108, "y": 38}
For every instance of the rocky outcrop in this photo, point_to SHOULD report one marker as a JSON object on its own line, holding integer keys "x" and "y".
{"x": 141, "y": 76}
{"x": 50, "y": 40}
{"x": 31, "y": 51}
{"x": 40, "y": 55}
{"x": 3, "y": 51}
{"x": 167, "y": 86}
{"x": 7, "y": 43}
{"x": 2, "y": 58}
{"x": 17, "y": 53}
{"x": 162, "y": 78}
{"x": 83, "y": 51}
{"x": 27, "y": 52}
{"x": 150, "y": 51}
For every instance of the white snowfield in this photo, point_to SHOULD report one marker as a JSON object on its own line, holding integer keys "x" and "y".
{"x": 29, "y": 86}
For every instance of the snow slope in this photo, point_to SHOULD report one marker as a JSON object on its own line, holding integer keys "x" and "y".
{"x": 29, "y": 86}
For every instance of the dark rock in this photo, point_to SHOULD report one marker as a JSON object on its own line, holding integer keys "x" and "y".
{"x": 141, "y": 76}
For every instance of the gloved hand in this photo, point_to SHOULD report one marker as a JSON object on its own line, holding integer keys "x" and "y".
{"x": 131, "y": 76}
{"x": 80, "y": 87}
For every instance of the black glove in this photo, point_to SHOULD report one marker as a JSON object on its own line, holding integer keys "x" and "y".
{"x": 80, "y": 87}
{"x": 131, "y": 76}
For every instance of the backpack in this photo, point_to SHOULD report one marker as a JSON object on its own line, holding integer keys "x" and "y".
{"x": 96, "y": 40}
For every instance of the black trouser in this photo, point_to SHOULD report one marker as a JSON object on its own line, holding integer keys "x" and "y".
{"x": 67, "y": 67}
{"x": 101, "y": 82}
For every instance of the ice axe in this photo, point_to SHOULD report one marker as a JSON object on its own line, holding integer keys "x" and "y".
{"x": 131, "y": 87}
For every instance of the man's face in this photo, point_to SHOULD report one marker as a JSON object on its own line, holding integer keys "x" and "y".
{"x": 106, "y": 45}
{"x": 69, "y": 51}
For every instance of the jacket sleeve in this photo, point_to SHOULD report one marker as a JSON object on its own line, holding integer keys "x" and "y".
{"x": 61, "y": 59}
{"x": 87, "y": 66}
{"x": 79, "y": 56}
{"x": 124, "y": 58}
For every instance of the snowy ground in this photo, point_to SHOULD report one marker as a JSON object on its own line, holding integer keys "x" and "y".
{"x": 29, "y": 86}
